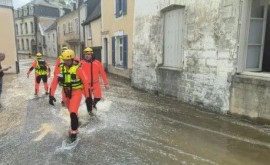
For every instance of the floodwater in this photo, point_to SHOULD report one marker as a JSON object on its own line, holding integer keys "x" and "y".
{"x": 129, "y": 127}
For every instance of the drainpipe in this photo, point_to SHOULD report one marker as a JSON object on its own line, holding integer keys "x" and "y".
{"x": 36, "y": 24}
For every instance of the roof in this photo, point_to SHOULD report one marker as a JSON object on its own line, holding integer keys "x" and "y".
{"x": 40, "y": 2}
{"x": 94, "y": 11}
{"x": 52, "y": 27}
{"x": 44, "y": 3}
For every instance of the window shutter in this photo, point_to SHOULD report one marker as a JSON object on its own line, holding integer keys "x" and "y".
{"x": 124, "y": 7}
{"x": 125, "y": 51}
{"x": 113, "y": 51}
{"x": 117, "y": 8}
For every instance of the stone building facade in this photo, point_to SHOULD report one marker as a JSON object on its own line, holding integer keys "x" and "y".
{"x": 211, "y": 54}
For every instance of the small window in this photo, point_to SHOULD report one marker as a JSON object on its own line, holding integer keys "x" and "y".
{"x": 173, "y": 37}
{"x": 32, "y": 27}
{"x": 256, "y": 41}
{"x": 89, "y": 32}
{"x": 70, "y": 27}
{"x": 27, "y": 44}
{"x": 22, "y": 44}
{"x": 18, "y": 43}
{"x": 64, "y": 29}
{"x": 76, "y": 25}
{"x": 120, "y": 51}
{"x": 120, "y": 8}
{"x": 31, "y": 10}
{"x": 26, "y": 27}
{"x": 16, "y": 27}
{"x": 21, "y": 28}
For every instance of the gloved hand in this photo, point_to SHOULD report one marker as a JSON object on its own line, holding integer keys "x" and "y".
{"x": 28, "y": 74}
{"x": 51, "y": 100}
{"x": 107, "y": 86}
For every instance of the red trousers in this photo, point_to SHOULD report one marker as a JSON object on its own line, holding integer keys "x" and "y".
{"x": 74, "y": 102}
{"x": 95, "y": 90}
{"x": 38, "y": 78}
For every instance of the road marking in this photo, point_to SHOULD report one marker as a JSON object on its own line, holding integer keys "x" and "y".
{"x": 44, "y": 130}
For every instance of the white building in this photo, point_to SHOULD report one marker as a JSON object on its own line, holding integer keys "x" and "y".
{"x": 31, "y": 20}
{"x": 51, "y": 41}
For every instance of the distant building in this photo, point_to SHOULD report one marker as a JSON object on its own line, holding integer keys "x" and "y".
{"x": 31, "y": 20}
{"x": 7, "y": 36}
{"x": 92, "y": 28}
{"x": 69, "y": 29}
{"x": 51, "y": 40}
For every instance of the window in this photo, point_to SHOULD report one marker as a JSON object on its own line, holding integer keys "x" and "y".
{"x": 32, "y": 27}
{"x": 53, "y": 38}
{"x": 27, "y": 44}
{"x": 25, "y": 13}
{"x": 18, "y": 44}
{"x": 89, "y": 32}
{"x": 120, "y": 51}
{"x": 20, "y": 12}
{"x": 173, "y": 36}
{"x": 26, "y": 28}
{"x": 255, "y": 37}
{"x": 16, "y": 27}
{"x": 22, "y": 44}
{"x": 70, "y": 27}
{"x": 77, "y": 25}
{"x": 15, "y": 13}
{"x": 64, "y": 28}
{"x": 31, "y": 10}
{"x": 21, "y": 27}
{"x": 120, "y": 8}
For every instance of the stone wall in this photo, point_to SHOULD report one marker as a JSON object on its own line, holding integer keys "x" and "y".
{"x": 250, "y": 96}
{"x": 209, "y": 51}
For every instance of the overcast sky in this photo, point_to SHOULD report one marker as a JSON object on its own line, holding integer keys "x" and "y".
{"x": 19, "y": 3}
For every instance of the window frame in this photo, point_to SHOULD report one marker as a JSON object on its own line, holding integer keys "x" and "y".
{"x": 119, "y": 50}
{"x": 116, "y": 52}
{"x": 32, "y": 27}
{"x": 121, "y": 9}
{"x": 26, "y": 27}
{"x": 89, "y": 31}
{"x": 244, "y": 27}
{"x": 64, "y": 29}
{"x": 179, "y": 49}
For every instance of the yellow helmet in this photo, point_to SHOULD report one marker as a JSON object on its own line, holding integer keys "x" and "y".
{"x": 88, "y": 50}
{"x": 68, "y": 54}
{"x": 64, "y": 48}
{"x": 38, "y": 55}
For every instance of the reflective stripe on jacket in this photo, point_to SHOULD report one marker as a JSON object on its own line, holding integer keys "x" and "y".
{"x": 41, "y": 68}
{"x": 69, "y": 78}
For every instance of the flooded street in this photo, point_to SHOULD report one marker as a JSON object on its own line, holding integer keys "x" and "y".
{"x": 130, "y": 127}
